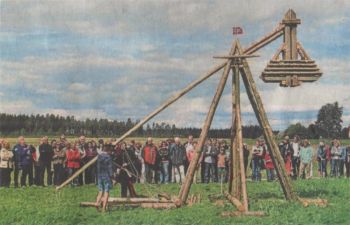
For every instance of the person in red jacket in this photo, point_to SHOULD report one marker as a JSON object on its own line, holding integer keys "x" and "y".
{"x": 149, "y": 155}
{"x": 73, "y": 160}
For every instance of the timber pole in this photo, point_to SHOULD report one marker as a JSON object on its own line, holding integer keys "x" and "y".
{"x": 235, "y": 188}
{"x": 239, "y": 138}
{"x": 149, "y": 117}
{"x": 272, "y": 147}
{"x": 185, "y": 187}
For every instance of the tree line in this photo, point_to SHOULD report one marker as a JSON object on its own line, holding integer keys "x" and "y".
{"x": 50, "y": 124}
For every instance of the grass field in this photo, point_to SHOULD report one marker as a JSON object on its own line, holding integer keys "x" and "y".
{"x": 37, "y": 205}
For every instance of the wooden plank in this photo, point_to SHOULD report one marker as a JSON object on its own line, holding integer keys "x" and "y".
{"x": 272, "y": 147}
{"x": 238, "y": 213}
{"x": 234, "y": 56}
{"x": 185, "y": 187}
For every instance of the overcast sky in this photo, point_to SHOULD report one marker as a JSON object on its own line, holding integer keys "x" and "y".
{"x": 120, "y": 59}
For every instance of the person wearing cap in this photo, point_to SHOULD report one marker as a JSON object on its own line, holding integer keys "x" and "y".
{"x": 306, "y": 152}
{"x": 286, "y": 151}
{"x": 321, "y": 159}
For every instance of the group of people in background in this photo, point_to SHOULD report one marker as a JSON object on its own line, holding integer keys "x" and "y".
{"x": 165, "y": 162}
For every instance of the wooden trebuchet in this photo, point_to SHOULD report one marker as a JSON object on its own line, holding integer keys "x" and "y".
{"x": 234, "y": 201}
{"x": 272, "y": 147}
{"x": 238, "y": 213}
{"x": 148, "y": 117}
{"x": 185, "y": 187}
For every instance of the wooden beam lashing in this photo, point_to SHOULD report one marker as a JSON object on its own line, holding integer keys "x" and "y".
{"x": 185, "y": 187}
{"x": 272, "y": 147}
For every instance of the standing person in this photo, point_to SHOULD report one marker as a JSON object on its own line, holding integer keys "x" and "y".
{"x": 246, "y": 154}
{"x": 36, "y": 162}
{"x": 90, "y": 172}
{"x": 189, "y": 155}
{"x": 104, "y": 176}
{"x": 164, "y": 162}
{"x": 177, "y": 154}
{"x": 287, "y": 153}
{"x": 257, "y": 156}
{"x": 328, "y": 158}
{"x": 149, "y": 155}
{"x": 81, "y": 147}
{"x": 270, "y": 168}
{"x": 141, "y": 164}
{"x": 336, "y": 154}
{"x": 189, "y": 148}
{"x": 58, "y": 160}
{"x": 342, "y": 160}
{"x": 26, "y": 164}
{"x": 347, "y": 161}
{"x": 296, "y": 158}
{"x": 6, "y": 164}
{"x": 208, "y": 159}
{"x": 126, "y": 170}
{"x": 73, "y": 160}
{"x": 305, "y": 159}
{"x": 221, "y": 164}
{"x": 321, "y": 159}
{"x": 19, "y": 147}
{"x": 46, "y": 153}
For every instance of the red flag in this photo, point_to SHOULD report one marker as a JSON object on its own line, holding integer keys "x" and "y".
{"x": 237, "y": 30}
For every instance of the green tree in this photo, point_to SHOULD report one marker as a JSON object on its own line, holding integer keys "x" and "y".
{"x": 329, "y": 122}
{"x": 297, "y": 129}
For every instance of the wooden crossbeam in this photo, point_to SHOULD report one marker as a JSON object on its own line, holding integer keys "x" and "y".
{"x": 234, "y": 56}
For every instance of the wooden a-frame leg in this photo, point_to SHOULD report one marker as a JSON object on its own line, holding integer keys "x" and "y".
{"x": 260, "y": 114}
{"x": 185, "y": 187}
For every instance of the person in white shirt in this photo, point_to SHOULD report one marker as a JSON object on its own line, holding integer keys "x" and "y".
{"x": 296, "y": 156}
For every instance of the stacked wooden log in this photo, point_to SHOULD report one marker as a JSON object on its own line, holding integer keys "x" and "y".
{"x": 154, "y": 203}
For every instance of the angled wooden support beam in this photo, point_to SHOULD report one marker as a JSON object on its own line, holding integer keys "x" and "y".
{"x": 185, "y": 187}
{"x": 149, "y": 117}
{"x": 234, "y": 202}
{"x": 272, "y": 147}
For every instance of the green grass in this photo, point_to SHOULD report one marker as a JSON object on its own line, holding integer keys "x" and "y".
{"x": 37, "y": 205}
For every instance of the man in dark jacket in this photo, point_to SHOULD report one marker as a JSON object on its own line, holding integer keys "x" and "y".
{"x": 46, "y": 154}
{"x": 126, "y": 170}
{"x": 17, "y": 149}
{"x": 26, "y": 164}
{"x": 177, "y": 155}
{"x": 104, "y": 176}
